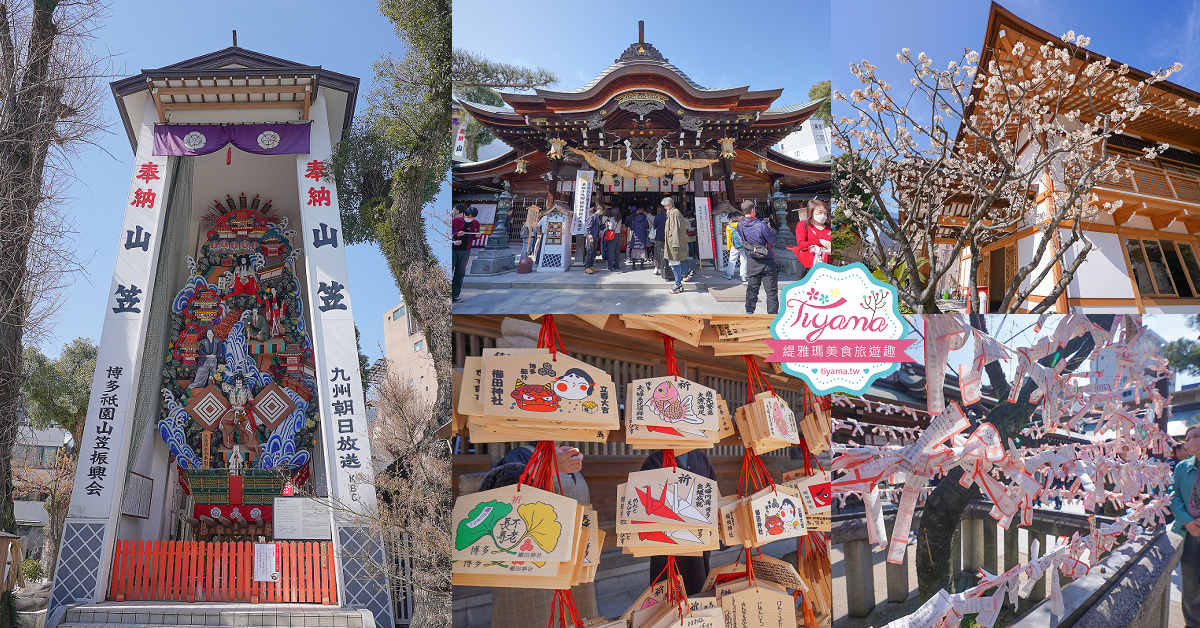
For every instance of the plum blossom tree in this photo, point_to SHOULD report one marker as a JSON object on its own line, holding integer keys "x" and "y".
{"x": 971, "y": 154}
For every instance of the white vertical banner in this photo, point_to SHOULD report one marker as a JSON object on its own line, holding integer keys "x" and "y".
{"x": 344, "y": 429}
{"x": 87, "y": 544}
{"x": 100, "y": 475}
{"x": 339, "y": 384}
{"x": 583, "y": 200}
{"x": 459, "y": 127}
{"x": 705, "y": 239}
{"x": 724, "y": 253}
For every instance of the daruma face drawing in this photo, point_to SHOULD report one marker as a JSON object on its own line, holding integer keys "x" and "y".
{"x": 574, "y": 385}
{"x": 535, "y": 398}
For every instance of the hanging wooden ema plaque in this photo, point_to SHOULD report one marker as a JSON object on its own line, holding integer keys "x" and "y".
{"x": 549, "y": 391}
{"x": 759, "y": 607}
{"x": 529, "y": 537}
{"x": 766, "y": 423}
{"x": 667, "y": 511}
{"x": 671, "y": 413}
{"x": 487, "y": 428}
{"x": 815, "y": 495}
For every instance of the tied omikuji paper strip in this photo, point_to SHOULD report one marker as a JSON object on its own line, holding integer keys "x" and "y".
{"x": 1009, "y": 474}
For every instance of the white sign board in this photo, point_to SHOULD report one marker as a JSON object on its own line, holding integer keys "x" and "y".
{"x": 583, "y": 199}
{"x": 266, "y": 563}
{"x": 136, "y": 502}
{"x": 704, "y": 228}
{"x": 487, "y": 213}
{"x": 556, "y": 243}
{"x": 105, "y": 440}
{"x": 301, "y": 518}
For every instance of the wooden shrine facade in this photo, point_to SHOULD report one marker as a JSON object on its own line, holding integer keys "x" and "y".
{"x": 1153, "y": 239}
{"x": 645, "y": 108}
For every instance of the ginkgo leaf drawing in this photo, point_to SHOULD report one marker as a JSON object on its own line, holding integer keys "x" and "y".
{"x": 479, "y": 523}
{"x": 541, "y": 524}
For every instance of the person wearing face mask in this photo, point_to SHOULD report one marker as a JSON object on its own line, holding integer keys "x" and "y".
{"x": 813, "y": 237}
{"x": 462, "y": 228}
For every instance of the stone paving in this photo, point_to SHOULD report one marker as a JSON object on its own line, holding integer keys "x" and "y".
{"x": 233, "y": 614}
{"x": 575, "y": 292}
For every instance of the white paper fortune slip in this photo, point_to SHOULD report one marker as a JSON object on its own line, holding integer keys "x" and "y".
{"x": 904, "y": 516}
{"x": 876, "y": 532}
{"x": 943, "y": 334}
{"x": 928, "y": 615}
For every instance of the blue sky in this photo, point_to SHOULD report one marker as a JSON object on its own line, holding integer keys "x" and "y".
{"x": 154, "y": 34}
{"x": 1147, "y": 36}
{"x": 716, "y": 44}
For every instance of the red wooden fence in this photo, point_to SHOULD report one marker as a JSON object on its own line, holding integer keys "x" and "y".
{"x": 220, "y": 572}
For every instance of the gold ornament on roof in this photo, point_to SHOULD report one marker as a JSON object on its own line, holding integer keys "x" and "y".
{"x": 556, "y": 148}
{"x": 522, "y": 166}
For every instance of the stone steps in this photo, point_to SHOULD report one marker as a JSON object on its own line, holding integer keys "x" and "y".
{"x": 205, "y": 615}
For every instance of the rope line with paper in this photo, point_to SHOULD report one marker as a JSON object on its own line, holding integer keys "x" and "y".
{"x": 1012, "y": 477}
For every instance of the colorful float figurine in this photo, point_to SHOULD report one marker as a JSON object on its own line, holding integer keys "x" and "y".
{"x": 246, "y": 385}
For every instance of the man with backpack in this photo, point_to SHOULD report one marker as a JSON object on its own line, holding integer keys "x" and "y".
{"x": 758, "y": 243}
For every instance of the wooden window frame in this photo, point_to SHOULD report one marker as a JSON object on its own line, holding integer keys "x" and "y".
{"x": 1160, "y": 240}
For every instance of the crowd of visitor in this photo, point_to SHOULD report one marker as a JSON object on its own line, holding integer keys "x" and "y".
{"x": 664, "y": 238}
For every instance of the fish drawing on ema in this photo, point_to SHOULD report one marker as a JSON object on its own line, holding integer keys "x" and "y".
{"x": 780, "y": 424}
{"x": 665, "y": 402}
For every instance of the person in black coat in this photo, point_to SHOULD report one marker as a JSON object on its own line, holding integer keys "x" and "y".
{"x": 639, "y": 238}
{"x": 692, "y": 569}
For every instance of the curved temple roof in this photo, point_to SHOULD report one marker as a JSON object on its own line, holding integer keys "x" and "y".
{"x": 644, "y": 99}
{"x": 229, "y": 77}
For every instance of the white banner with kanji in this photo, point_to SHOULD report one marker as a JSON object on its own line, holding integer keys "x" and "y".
{"x": 335, "y": 351}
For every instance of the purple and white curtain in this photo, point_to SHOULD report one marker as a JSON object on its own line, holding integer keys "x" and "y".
{"x": 187, "y": 140}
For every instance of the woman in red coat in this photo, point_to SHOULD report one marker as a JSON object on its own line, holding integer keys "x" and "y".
{"x": 813, "y": 237}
